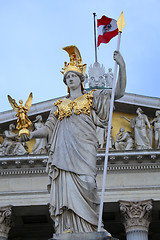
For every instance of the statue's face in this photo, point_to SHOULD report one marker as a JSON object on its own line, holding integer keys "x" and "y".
{"x": 139, "y": 111}
{"x": 11, "y": 127}
{"x": 96, "y": 75}
{"x": 97, "y": 80}
{"x": 121, "y": 129}
{"x": 72, "y": 80}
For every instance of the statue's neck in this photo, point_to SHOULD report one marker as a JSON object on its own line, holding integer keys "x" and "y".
{"x": 75, "y": 93}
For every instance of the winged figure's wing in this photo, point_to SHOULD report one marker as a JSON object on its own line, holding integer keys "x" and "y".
{"x": 13, "y": 103}
{"x": 29, "y": 101}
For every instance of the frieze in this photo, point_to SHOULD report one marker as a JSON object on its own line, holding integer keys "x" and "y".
{"x": 22, "y": 172}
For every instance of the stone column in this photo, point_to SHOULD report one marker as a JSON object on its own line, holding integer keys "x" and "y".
{"x": 136, "y": 218}
{"x": 5, "y": 221}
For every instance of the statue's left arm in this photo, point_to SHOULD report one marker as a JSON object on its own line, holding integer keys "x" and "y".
{"x": 101, "y": 105}
{"x": 147, "y": 122}
{"x": 153, "y": 121}
{"x": 121, "y": 82}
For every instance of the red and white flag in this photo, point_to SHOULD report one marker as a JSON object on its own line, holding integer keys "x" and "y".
{"x": 106, "y": 29}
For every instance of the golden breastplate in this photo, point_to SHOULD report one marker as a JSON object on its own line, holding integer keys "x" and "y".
{"x": 79, "y": 105}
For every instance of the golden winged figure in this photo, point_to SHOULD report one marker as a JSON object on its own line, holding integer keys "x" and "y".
{"x": 23, "y": 122}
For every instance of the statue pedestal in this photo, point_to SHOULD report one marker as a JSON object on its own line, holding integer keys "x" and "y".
{"x": 83, "y": 236}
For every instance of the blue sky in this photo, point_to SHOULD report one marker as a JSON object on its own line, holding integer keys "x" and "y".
{"x": 33, "y": 33}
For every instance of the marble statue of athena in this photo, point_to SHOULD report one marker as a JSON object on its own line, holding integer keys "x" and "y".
{"x": 71, "y": 132}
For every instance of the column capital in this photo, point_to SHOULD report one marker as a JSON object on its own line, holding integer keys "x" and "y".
{"x": 5, "y": 221}
{"x": 136, "y": 215}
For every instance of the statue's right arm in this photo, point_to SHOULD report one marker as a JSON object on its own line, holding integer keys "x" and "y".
{"x": 45, "y": 131}
{"x": 40, "y": 133}
{"x": 126, "y": 118}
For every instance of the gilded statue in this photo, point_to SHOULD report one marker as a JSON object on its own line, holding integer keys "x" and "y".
{"x": 23, "y": 122}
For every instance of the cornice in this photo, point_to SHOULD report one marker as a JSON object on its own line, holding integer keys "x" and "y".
{"x": 140, "y": 100}
{"x": 117, "y": 161}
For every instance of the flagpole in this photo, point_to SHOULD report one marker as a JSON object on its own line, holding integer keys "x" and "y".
{"x": 108, "y": 137}
{"x": 95, "y": 43}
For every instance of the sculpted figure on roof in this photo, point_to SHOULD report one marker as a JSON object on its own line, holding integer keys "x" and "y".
{"x": 40, "y": 146}
{"x": 156, "y": 123}
{"x": 142, "y": 130}
{"x": 109, "y": 78}
{"x": 124, "y": 140}
{"x": 11, "y": 144}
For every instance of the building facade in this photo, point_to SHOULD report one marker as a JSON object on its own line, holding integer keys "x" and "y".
{"x": 132, "y": 194}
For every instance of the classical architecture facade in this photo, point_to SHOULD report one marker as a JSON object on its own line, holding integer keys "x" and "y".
{"x": 132, "y": 194}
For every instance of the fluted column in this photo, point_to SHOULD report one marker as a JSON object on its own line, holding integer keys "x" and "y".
{"x": 136, "y": 218}
{"x": 5, "y": 221}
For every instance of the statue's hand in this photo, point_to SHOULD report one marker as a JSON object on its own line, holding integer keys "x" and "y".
{"x": 118, "y": 58}
{"x": 24, "y": 138}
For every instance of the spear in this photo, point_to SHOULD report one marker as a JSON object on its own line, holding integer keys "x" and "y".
{"x": 120, "y": 24}
{"x": 94, "y": 14}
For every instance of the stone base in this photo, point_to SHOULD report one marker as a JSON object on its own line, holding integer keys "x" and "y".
{"x": 83, "y": 236}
